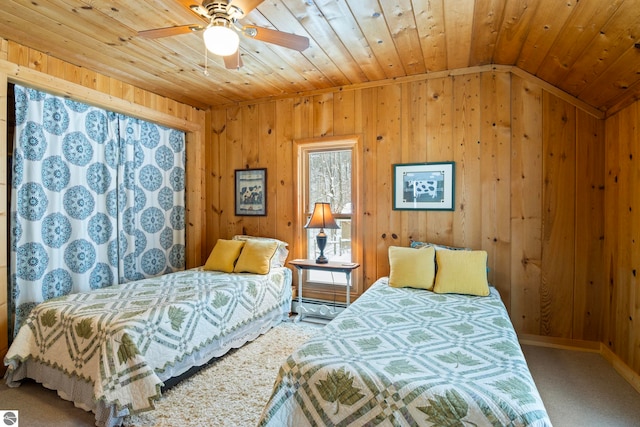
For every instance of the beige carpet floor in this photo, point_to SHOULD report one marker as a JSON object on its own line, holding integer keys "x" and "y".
{"x": 578, "y": 388}
{"x": 582, "y": 389}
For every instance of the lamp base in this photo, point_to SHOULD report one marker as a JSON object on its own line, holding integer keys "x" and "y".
{"x": 321, "y": 240}
{"x": 322, "y": 260}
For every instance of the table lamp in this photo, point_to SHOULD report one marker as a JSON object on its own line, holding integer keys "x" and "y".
{"x": 321, "y": 218}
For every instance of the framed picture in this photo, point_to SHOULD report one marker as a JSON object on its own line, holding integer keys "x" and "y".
{"x": 251, "y": 192}
{"x": 424, "y": 186}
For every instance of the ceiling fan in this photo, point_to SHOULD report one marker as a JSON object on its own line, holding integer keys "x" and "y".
{"x": 221, "y": 33}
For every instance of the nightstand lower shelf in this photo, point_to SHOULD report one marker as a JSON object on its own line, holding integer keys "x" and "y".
{"x": 317, "y": 308}
{"x": 321, "y": 309}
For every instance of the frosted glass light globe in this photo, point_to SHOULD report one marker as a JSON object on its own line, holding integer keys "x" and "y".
{"x": 221, "y": 40}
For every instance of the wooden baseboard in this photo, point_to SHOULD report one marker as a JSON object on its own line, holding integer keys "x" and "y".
{"x": 618, "y": 364}
{"x": 622, "y": 368}
{"x": 561, "y": 343}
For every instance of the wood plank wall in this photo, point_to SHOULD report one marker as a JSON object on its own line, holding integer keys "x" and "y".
{"x": 529, "y": 187}
{"x": 4, "y": 188}
{"x": 621, "y": 302}
{"x": 36, "y": 69}
{"x": 529, "y": 181}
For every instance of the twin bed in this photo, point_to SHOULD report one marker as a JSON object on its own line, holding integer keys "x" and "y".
{"x": 111, "y": 350}
{"x": 407, "y": 355}
{"x": 400, "y": 355}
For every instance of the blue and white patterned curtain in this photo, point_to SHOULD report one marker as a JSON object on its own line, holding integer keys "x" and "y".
{"x": 151, "y": 193}
{"x": 97, "y": 199}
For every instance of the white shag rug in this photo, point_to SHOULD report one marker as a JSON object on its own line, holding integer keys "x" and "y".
{"x": 232, "y": 390}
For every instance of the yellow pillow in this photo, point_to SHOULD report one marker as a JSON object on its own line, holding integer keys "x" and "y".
{"x": 461, "y": 272}
{"x": 256, "y": 257}
{"x": 224, "y": 255}
{"x": 282, "y": 252}
{"x": 411, "y": 267}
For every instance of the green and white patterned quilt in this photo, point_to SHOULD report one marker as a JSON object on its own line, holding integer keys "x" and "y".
{"x": 409, "y": 357}
{"x": 120, "y": 338}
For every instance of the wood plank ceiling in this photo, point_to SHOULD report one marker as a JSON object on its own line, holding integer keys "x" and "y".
{"x": 588, "y": 48}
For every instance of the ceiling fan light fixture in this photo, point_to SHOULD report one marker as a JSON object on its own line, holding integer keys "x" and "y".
{"x": 221, "y": 40}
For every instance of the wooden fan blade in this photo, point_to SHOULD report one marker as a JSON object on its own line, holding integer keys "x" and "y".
{"x": 169, "y": 31}
{"x": 188, "y": 3}
{"x": 292, "y": 41}
{"x": 233, "y": 62}
{"x": 196, "y": 7}
{"x": 245, "y": 6}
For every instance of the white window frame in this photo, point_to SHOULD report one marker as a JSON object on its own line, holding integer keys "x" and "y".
{"x": 302, "y": 149}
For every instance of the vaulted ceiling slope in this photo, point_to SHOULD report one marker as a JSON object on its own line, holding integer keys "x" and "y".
{"x": 588, "y": 48}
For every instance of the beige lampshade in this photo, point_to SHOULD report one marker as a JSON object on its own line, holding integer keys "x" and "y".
{"x": 321, "y": 217}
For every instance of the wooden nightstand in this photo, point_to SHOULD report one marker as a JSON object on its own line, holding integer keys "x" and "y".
{"x": 310, "y": 264}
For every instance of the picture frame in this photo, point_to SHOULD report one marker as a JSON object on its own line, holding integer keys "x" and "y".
{"x": 424, "y": 186}
{"x": 251, "y": 192}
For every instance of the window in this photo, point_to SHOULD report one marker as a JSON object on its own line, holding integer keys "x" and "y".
{"x": 329, "y": 175}
{"x": 328, "y": 172}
